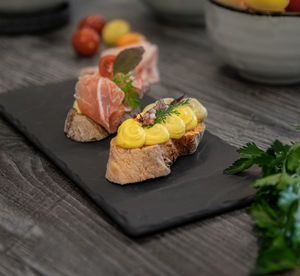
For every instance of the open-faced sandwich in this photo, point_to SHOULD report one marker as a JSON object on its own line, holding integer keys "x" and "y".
{"x": 109, "y": 95}
{"x": 147, "y": 144}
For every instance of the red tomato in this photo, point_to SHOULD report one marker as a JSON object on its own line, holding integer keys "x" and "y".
{"x": 294, "y": 6}
{"x": 106, "y": 65}
{"x": 95, "y": 22}
{"x": 86, "y": 41}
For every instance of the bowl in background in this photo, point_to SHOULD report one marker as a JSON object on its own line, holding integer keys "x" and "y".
{"x": 32, "y": 16}
{"x": 179, "y": 11}
{"x": 21, "y": 6}
{"x": 263, "y": 47}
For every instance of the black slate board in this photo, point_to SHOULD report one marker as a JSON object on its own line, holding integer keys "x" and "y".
{"x": 195, "y": 189}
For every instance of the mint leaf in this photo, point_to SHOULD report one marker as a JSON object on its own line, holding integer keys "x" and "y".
{"x": 127, "y": 60}
{"x": 239, "y": 166}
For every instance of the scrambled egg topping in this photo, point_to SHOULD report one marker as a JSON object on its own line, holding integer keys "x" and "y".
{"x": 131, "y": 133}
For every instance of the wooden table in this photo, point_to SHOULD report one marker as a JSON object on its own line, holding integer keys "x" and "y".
{"x": 49, "y": 227}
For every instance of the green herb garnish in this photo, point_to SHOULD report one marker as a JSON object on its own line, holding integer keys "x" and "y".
{"x": 163, "y": 113}
{"x": 125, "y": 84}
{"x": 276, "y": 207}
{"x": 125, "y": 62}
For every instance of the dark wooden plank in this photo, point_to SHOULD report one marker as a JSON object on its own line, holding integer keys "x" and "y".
{"x": 48, "y": 227}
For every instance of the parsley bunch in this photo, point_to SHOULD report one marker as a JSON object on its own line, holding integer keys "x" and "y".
{"x": 276, "y": 207}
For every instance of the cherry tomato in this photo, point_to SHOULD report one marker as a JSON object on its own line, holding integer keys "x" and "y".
{"x": 86, "y": 41}
{"x": 95, "y": 22}
{"x": 106, "y": 64}
{"x": 294, "y": 6}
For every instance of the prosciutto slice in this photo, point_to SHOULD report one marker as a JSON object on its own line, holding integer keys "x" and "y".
{"x": 101, "y": 100}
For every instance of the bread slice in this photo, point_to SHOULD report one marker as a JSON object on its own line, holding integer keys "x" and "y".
{"x": 81, "y": 128}
{"x": 135, "y": 165}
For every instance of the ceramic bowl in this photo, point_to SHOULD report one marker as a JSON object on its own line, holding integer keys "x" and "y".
{"x": 263, "y": 47}
{"x": 22, "y": 6}
{"x": 179, "y": 11}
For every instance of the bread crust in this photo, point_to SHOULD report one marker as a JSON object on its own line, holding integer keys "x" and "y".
{"x": 81, "y": 128}
{"x": 126, "y": 166}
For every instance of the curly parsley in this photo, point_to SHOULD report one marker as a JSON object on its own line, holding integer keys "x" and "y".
{"x": 276, "y": 207}
{"x": 125, "y": 84}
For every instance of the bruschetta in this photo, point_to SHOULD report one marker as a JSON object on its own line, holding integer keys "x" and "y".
{"x": 149, "y": 143}
{"x": 107, "y": 96}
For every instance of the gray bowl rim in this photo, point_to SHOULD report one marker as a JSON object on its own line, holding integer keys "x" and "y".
{"x": 255, "y": 13}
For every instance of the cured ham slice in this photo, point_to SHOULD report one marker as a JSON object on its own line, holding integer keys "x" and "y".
{"x": 146, "y": 72}
{"x": 87, "y": 71}
{"x": 101, "y": 100}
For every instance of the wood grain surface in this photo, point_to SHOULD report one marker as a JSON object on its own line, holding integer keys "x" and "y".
{"x": 49, "y": 227}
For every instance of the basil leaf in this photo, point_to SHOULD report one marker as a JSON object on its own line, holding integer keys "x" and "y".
{"x": 127, "y": 60}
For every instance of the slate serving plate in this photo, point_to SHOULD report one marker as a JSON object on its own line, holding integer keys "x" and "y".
{"x": 195, "y": 189}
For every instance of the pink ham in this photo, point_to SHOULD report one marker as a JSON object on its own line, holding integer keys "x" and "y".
{"x": 101, "y": 100}
{"x": 88, "y": 71}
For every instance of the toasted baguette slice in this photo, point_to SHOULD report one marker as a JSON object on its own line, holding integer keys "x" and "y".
{"x": 135, "y": 165}
{"x": 81, "y": 128}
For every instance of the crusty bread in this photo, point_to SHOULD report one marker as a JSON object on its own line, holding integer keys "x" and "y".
{"x": 126, "y": 166}
{"x": 81, "y": 128}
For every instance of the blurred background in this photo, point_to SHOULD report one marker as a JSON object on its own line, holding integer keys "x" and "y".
{"x": 258, "y": 39}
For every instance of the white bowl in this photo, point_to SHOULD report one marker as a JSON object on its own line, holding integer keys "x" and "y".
{"x": 263, "y": 47}
{"x": 186, "y": 11}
